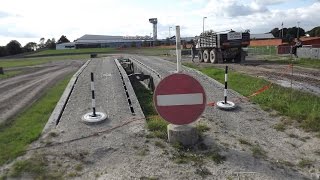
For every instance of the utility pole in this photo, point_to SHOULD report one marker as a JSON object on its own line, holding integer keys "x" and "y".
{"x": 169, "y": 32}
{"x": 282, "y": 30}
{"x": 203, "y": 24}
{"x": 298, "y": 29}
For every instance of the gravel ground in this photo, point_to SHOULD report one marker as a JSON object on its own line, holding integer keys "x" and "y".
{"x": 17, "y": 93}
{"x": 122, "y": 151}
{"x": 248, "y": 122}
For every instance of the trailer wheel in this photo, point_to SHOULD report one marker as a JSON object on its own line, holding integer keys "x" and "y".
{"x": 213, "y": 56}
{"x": 206, "y": 57}
{"x": 200, "y": 56}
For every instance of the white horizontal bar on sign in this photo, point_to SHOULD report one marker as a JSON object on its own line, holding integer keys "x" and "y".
{"x": 180, "y": 99}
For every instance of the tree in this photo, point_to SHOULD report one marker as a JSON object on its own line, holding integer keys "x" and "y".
{"x": 30, "y": 46}
{"x": 3, "y": 51}
{"x": 314, "y": 32}
{"x": 63, "y": 39}
{"x": 41, "y": 43}
{"x": 288, "y": 33}
{"x": 14, "y": 47}
{"x": 275, "y": 32}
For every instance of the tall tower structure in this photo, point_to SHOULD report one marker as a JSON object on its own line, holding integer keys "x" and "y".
{"x": 154, "y": 21}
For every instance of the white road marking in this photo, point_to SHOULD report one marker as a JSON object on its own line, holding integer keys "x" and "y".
{"x": 180, "y": 99}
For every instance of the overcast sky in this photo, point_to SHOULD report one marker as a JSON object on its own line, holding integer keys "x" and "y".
{"x": 30, "y": 20}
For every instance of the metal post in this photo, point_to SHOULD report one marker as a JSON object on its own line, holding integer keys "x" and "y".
{"x": 225, "y": 85}
{"x": 282, "y": 30}
{"x": 178, "y": 49}
{"x": 93, "y": 97}
{"x": 203, "y": 23}
{"x": 298, "y": 30}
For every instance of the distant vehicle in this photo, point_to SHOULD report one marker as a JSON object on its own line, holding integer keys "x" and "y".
{"x": 224, "y": 47}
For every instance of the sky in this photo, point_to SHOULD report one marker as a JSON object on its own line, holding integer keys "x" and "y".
{"x": 28, "y": 21}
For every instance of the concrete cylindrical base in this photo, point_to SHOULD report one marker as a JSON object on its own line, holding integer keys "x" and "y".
{"x": 89, "y": 119}
{"x": 226, "y": 106}
{"x": 184, "y": 134}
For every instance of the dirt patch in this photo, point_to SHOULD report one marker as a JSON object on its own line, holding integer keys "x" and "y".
{"x": 304, "y": 79}
{"x": 21, "y": 91}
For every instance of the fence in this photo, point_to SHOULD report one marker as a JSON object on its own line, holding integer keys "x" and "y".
{"x": 308, "y": 52}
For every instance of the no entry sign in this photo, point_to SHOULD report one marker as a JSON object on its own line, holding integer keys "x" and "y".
{"x": 179, "y": 99}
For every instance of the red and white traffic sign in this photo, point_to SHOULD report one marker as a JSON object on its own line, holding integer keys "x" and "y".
{"x": 179, "y": 99}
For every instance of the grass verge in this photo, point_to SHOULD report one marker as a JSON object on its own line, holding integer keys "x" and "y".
{"x": 9, "y": 74}
{"x": 300, "y": 106}
{"x": 156, "y": 125}
{"x": 7, "y": 63}
{"x": 16, "y": 135}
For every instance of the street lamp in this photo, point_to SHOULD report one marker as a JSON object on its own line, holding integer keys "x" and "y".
{"x": 203, "y": 23}
{"x": 169, "y": 31}
{"x": 298, "y": 29}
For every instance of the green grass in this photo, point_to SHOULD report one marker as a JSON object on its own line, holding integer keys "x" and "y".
{"x": 269, "y": 50}
{"x": 16, "y": 135}
{"x": 300, "y": 106}
{"x": 9, "y": 74}
{"x": 155, "y": 123}
{"x": 7, "y": 63}
{"x": 244, "y": 141}
{"x": 53, "y": 52}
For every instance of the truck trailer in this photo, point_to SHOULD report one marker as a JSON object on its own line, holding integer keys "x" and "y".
{"x": 222, "y": 47}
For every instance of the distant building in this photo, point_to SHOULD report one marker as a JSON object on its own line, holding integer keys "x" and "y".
{"x": 266, "y": 39}
{"x": 97, "y": 41}
{"x": 69, "y": 45}
{"x": 261, "y": 36}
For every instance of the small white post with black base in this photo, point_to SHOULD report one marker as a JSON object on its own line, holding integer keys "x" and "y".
{"x": 93, "y": 117}
{"x": 226, "y": 105}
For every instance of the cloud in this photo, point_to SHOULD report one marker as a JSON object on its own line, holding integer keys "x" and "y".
{"x": 231, "y": 8}
{"x": 270, "y": 2}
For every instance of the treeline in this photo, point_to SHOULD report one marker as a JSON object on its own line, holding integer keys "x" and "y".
{"x": 288, "y": 34}
{"x": 315, "y": 32}
{"x": 14, "y": 47}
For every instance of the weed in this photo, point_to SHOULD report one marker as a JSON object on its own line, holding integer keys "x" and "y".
{"x": 53, "y": 134}
{"x": 79, "y": 167}
{"x": 203, "y": 172}
{"x": 216, "y": 157}
{"x": 293, "y": 135}
{"x": 186, "y": 157}
{"x": 36, "y": 166}
{"x": 317, "y": 152}
{"x": 148, "y": 178}
{"x": 243, "y": 141}
{"x": 73, "y": 174}
{"x": 201, "y": 128}
{"x": 286, "y": 163}
{"x": 143, "y": 152}
{"x": 257, "y": 151}
{"x": 160, "y": 134}
{"x": 304, "y": 163}
{"x": 279, "y": 127}
{"x": 159, "y": 144}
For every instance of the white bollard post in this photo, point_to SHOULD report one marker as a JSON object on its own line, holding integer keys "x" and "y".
{"x": 178, "y": 49}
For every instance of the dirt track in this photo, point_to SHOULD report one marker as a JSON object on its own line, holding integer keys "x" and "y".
{"x": 21, "y": 91}
{"x": 305, "y": 79}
